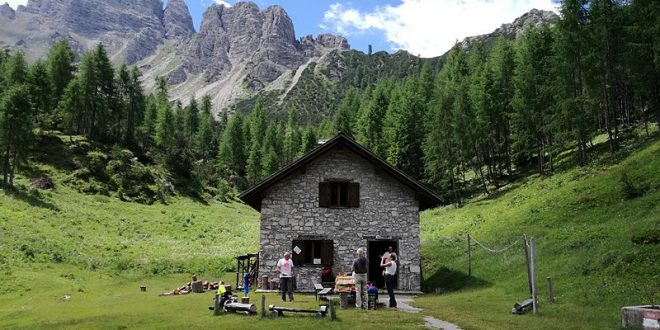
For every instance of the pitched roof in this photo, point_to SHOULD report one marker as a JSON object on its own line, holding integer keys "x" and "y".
{"x": 427, "y": 198}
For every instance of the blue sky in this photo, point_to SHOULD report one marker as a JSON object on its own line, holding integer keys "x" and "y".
{"x": 422, "y": 27}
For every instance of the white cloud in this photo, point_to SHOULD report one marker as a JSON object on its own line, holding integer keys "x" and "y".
{"x": 14, "y": 3}
{"x": 222, "y": 2}
{"x": 429, "y": 27}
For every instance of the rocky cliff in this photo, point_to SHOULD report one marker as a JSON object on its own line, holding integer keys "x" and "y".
{"x": 515, "y": 29}
{"x": 237, "y": 53}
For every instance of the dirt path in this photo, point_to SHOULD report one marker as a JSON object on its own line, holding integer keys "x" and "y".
{"x": 403, "y": 303}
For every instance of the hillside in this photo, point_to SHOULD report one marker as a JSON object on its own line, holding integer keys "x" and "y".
{"x": 595, "y": 236}
{"x": 78, "y": 223}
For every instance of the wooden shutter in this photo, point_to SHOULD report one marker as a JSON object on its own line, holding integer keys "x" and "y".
{"x": 298, "y": 259}
{"x": 327, "y": 252}
{"x": 354, "y": 194}
{"x": 324, "y": 194}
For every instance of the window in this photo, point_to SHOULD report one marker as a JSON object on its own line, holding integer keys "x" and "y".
{"x": 312, "y": 252}
{"x": 339, "y": 194}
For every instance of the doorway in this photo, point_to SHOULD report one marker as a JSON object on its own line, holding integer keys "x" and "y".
{"x": 375, "y": 249}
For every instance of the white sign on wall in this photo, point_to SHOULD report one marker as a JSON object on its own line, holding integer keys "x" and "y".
{"x": 297, "y": 250}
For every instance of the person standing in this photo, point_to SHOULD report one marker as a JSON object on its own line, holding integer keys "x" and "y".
{"x": 285, "y": 270}
{"x": 389, "y": 263}
{"x": 359, "y": 269}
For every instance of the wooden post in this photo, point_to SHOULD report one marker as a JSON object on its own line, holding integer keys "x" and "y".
{"x": 551, "y": 296}
{"x": 532, "y": 252}
{"x": 469, "y": 255}
{"x": 529, "y": 272}
{"x": 331, "y": 306}
{"x": 216, "y": 304}
{"x": 263, "y": 306}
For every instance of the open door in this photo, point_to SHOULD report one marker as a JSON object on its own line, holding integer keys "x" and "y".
{"x": 375, "y": 250}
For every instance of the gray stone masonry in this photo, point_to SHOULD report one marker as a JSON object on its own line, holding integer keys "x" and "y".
{"x": 388, "y": 210}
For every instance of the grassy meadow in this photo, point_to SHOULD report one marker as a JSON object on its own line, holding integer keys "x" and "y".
{"x": 596, "y": 233}
{"x": 597, "y": 240}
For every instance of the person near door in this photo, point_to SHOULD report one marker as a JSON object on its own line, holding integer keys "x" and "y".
{"x": 359, "y": 270}
{"x": 285, "y": 270}
{"x": 389, "y": 264}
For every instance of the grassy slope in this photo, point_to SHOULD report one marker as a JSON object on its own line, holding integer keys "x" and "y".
{"x": 583, "y": 227}
{"x": 101, "y": 232}
{"x": 99, "y": 250}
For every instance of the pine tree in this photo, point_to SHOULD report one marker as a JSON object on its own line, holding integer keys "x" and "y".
{"x": 16, "y": 116}
{"x": 343, "y": 119}
{"x": 71, "y": 105}
{"x": 309, "y": 141}
{"x": 405, "y": 152}
{"x": 231, "y": 155}
{"x": 373, "y": 120}
{"x": 532, "y": 119}
{"x": 191, "y": 122}
{"x": 135, "y": 109}
{"x": 570, "y": 65}
{"x": 257, "y": 131}
{"x": 291, "y": 136}
{"x": 164, "y": 136}
{"x": 147, "y": 131}
{"x": 41, "y": 92}
{"x": 60, "y": 67}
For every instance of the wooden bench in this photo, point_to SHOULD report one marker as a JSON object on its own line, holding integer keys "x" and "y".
{"x": 276, "y": 311}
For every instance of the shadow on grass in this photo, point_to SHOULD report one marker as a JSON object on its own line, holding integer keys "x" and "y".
{"x": 445, "y": 280}
{"x": 32, "y": 199}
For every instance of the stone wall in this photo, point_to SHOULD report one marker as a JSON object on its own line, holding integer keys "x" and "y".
{"x": 388, "y": 210}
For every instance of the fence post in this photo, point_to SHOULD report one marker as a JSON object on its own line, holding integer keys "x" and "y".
{"x": 533, "y": 270}
{"x": 263, "y": 306}
{"x": 529, "y": 273}
{"x": 551, "y": 296}
{"x": 469, "y": 239}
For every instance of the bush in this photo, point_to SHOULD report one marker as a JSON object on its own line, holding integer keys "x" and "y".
{"x": 631, "y": 189}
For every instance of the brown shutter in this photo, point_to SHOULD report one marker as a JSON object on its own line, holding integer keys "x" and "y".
{"x": 298, "y": 259}
{"x": 354, "y": 194}
{"x": 327, "y": 252}
{"x": 324, "y": 194}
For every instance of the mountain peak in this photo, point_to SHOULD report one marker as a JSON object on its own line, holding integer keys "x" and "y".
{"x": 7, "y": 11}
{"x": 177, "y": 20}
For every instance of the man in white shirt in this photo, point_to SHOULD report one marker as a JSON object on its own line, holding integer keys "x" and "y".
{"x": 285, "y": 270}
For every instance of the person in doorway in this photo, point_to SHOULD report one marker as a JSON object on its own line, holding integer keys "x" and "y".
{"x": 285, "y": 270}
{"x": 359, "y": 270}
{"x": 389, "y": 264}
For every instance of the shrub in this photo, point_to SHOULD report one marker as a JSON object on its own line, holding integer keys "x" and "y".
{"x": 631, "y": 189}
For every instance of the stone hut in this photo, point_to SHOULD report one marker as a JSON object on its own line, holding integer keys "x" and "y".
{"x": 337, "y": 198}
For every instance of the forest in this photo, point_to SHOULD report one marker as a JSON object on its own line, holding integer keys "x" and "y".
{"x": 469, "y": 126}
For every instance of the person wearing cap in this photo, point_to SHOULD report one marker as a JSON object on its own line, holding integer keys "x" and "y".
{"x": 359, "y": 269}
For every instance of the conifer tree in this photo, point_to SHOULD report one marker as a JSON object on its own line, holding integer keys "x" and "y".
{"x": 41, "y": 95}
{"x": 570, "y": 66}
{"x": 60, "y": 67}
{"x": 309, "y": 141}
{"x": 191, "y": 122}
{"x": 405, "y": 152}
{"x": 16, "y": 116}
{"x": 231, "y": 154}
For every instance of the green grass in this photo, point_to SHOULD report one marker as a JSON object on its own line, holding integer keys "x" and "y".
{"x": 589, "y": 237}
{"x": 100, "y": 301}
{"x": 98, "y": 232}
{"x": 599, "y": 244}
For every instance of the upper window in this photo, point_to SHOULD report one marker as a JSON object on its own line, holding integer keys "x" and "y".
{"x": 339, "y": 194}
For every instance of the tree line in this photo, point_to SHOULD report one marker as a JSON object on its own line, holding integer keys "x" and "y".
{"x": 483, "y": 116}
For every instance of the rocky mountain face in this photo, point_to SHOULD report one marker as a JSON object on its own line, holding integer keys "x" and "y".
{"x": 177, "y": 20}
{"x": 239, "y": 52}
{"x": 515, "y": 29}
